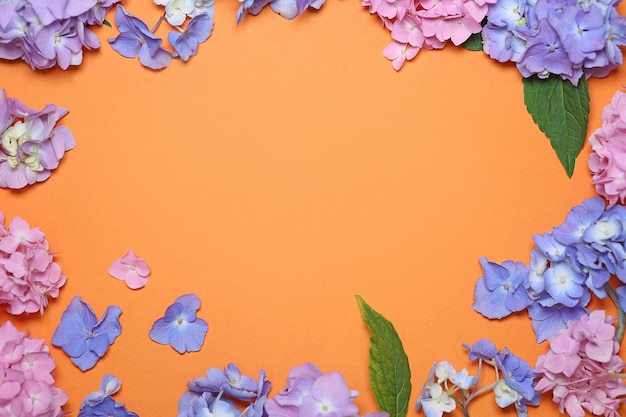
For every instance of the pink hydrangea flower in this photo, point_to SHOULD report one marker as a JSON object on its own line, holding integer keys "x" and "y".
{"x": 26, "y": 376}
{"x": 28, "y": 275}
{"x": 582, "y": 368}
{"x": 607, "y": 162}
{"x": 426, "y": 24}
{"x": 132, "y": 269}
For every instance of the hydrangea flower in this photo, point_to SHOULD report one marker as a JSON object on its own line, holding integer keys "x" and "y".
{"x": 607, "y": 162}
{"x": 225, "y": 393}
{"x": 426, "y": 24}
{"x": 47, "y": 33}
{"x": 570, "y": 39}
{"x": 198, "y": 30}
{"x": 445, "y": 388}
{"x": 28, "y": 275}
{"x": 135, "y": 39}
{"x": 180, "y": 327}
{"x": 288, "y": 9}
{"x": 27, "y": 376}
{"x": 309, "y": 392}
{"x": 582, "y": 367}
{"x": 102, "y": 404}
{"x": 84, "y": 338}
{"x": 131, "y": 269}
{"x": 573, "y": 261}
{"x": 501, "y": 291}
{"x": 31, "y": 143}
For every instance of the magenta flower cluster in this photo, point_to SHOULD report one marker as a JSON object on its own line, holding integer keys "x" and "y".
{"x": 582, "y": 368}
{"x": 607, "y": 162}
{"x": 26, "y": 376}
{"x": 46, "y": 33}
{"x": 426, "y": 24}
{"x": 32, "y": 144}
{"x": 568, "y": 38}
{"x": 28, "y": 275}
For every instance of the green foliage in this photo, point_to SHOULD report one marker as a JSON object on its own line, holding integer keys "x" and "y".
{"x": 474, "y": 42}
{"x": 390, "y": 375}
{"x": 561, "y": 111}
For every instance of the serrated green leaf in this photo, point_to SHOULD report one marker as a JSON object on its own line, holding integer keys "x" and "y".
{"x": 474, "y": 42}
{"x": 390, "y": 375}
{"x": 561, "y": 111}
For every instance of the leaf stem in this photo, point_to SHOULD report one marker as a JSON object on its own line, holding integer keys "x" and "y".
{"x": 621, "y": 316}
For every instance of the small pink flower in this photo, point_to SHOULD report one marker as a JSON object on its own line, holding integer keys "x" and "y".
{"x": 132, "y": 269}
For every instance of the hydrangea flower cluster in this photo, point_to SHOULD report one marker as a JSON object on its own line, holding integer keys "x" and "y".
{"x": 101, "y": 403}
{"x": 28, "y": 275}
{"x": 575, "y": 259}
{"x": 26, "y": 376}
{"x": 82, "y": 336}
{"x": 426, "y": 24}
{"x": 582, "y": 368}
{"x": 288, "y": 9}
{"x": 136, "y": 39}
{"x": 225, "y": 393}
{"x": 569, "y": 38}
{"x": 311, "y": 393}
{"x": 446, "y": 387}
{"x": 607, "y": 162}
{"x": 47, "y": 33}
{"x": 32, "y": 145}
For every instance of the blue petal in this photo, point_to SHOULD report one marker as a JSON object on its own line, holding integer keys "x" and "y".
{"x": 189, "y": 336}
{"x": 85, "y": 361}
{"x": 109, "y": 325}
{"x": 191, "y": 302}
{"x": 76, "y": 322}
{"x": 99, "y": 344}
{"x": 160, "y": 331}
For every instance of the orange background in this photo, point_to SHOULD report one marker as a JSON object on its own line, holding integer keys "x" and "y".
{"x": 281, "y": 171}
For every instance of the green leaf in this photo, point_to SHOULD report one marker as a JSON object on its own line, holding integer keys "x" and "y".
{"x": 107, "y": 23}
{"x": 474, "y": 42}
{"x": 561, "y": 111}
{"x": 390, "y": 375}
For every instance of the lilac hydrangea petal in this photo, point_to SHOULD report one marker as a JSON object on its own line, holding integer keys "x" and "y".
{"x": 189, "y": 338}
{"x": 160, "y": 331}
{"x": 110, "y": 324}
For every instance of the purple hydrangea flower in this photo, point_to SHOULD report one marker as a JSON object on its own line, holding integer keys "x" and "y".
{"x": 135, "y": 39}
{"x": 501, "y": 290}
{"x": 180, "y": 327}
{"x": 186, "y": 44}
{"x": 108, "y": 407}
{"x": 84, "y": 338}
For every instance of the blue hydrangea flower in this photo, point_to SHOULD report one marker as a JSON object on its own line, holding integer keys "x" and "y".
{"x": 106, "y": 408}
{"x": 518, "y": 375}
{"x": 135, "y": 39}
{"x": 501, "y": 290}
{"x": 186, "y": 44}
{"x": 482, "y": 349}
{"x": 230, "y": 381}
{"x": 180, "y": 327}
{"x": 82, "y": 336}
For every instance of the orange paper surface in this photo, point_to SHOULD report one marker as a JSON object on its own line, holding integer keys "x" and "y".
{"x": 280, "y": 172}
